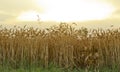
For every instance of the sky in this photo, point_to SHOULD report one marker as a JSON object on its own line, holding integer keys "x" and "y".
{"x": 105, "y": 13}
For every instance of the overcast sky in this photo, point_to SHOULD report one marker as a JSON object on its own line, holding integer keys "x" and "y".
{"x": 10, "y": 9}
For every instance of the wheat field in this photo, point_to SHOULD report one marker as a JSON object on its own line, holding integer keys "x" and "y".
{"x": 61, "y": 45}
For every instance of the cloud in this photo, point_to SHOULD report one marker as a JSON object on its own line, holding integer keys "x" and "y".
{"x": 116, "y": 5}
{"x": 4, "y": 16}
{"x": 117, "y": 12}
{"x": 16, "y": 6}
{"x": 113, "y": 2}
{"x": 115, "y": 15}
{"x": 10, "y": 9}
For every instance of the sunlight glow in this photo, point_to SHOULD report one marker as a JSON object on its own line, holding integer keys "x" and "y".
{"x": 28, "y": 16}
{"x": 69, "y": 10}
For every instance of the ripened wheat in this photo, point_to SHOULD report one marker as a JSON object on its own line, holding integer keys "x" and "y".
{"x": 62, "y": 45}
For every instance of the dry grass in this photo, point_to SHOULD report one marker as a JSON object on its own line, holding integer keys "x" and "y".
{"x": 62, "y": 45}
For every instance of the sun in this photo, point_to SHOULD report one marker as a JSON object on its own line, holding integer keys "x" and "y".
{"x": 69, "y": 10}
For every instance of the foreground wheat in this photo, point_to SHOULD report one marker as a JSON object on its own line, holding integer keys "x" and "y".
{"x": 62, "y": 45}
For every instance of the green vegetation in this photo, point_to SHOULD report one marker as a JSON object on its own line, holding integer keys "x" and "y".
{"x": 68, "y": 49}
{"x": 53, "y": 68}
